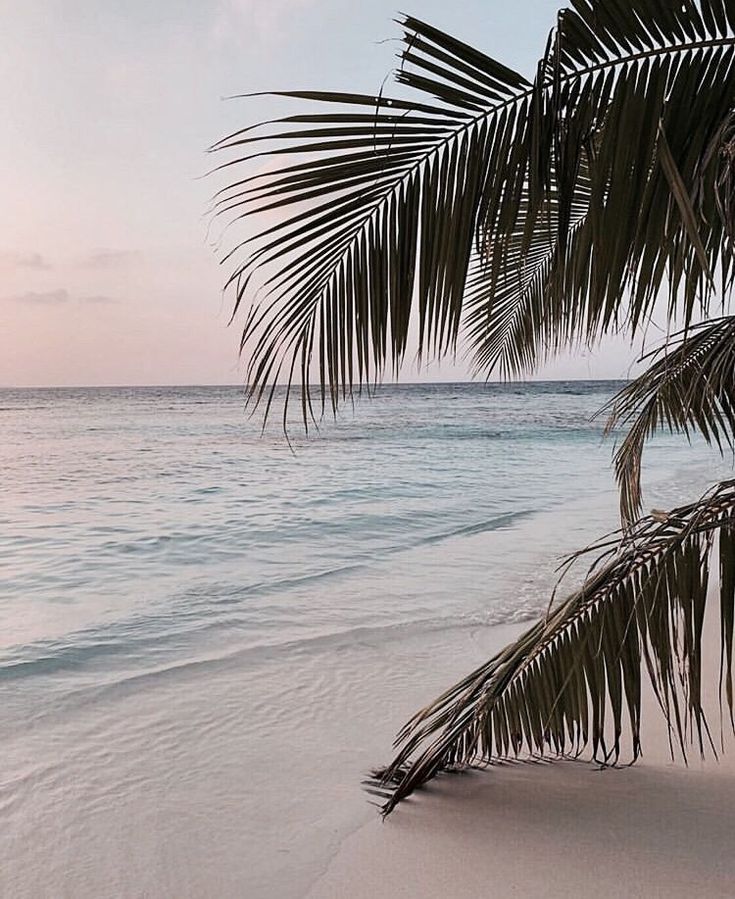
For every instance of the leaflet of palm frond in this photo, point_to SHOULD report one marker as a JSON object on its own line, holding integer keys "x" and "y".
{"x": 690, "y": 387}
{"x": 380, "y": 199}
{"x": 574, "y": 680}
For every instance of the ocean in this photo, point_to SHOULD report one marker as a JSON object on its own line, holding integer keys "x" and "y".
{"x": 208, "y": 634}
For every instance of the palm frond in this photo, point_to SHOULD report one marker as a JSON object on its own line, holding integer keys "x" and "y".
{"x": 375, "y": 218}
{"x": 635, "y": 98}
{"x": 575, "y": 678}
{"x": 689, "y": 388}
{"x": 605, "y": 178}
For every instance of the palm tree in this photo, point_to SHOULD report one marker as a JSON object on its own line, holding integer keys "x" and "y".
{"x": 524, "y": 217}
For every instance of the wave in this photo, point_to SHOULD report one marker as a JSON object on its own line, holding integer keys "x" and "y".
{"x": 190, "y": 615}
{"x": 496, "y": 523}
{"x": 121, "y": 683}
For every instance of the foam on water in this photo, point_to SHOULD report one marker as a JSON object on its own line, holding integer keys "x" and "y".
{"x": 206, "y": 637}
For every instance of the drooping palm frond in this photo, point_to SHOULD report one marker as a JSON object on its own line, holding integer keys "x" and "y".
{"x": 689, "y": 388}
{"x": 628, "y": 186}
{"x": 376, "y": 217}
{"x": 636, "y": 95}
{"x": 594, "y": 183}
{"x": 575, "y": 678}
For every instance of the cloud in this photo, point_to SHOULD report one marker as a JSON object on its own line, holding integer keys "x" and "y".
{"x": 60, "y": 296}
{"x": 24, "y": 260}
{"x": 46, "y": 298}
{"x": 110, "y": 258}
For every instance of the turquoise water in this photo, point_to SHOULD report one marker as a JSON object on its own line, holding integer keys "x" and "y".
{"x": 207, "y": 635}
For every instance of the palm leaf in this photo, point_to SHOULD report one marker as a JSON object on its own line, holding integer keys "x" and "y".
{"x": 381, "y": 204}
{"x": 636, "y": 94}
{"x": 689, "y": 388}
{"x": 574, "y": 680}
{"x": 388, "y": 200}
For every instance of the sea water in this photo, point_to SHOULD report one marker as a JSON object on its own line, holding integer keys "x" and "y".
{"x": 208, "y": 634}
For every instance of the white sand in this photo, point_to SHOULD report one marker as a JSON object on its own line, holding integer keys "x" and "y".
{"x": 562, "y": 829}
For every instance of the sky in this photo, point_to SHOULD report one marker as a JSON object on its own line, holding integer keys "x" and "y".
{"x": 107, "y": 272}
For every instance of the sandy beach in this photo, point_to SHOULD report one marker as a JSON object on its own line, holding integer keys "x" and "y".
{"x": 658, "y": 828}
{"x": 205, "y": 730}
{"x": 367, "y": 373}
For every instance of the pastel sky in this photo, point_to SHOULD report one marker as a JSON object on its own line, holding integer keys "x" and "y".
{"x": 107, "y": 275}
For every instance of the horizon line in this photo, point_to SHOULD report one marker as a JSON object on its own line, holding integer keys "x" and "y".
{"x": 357, "y": 389}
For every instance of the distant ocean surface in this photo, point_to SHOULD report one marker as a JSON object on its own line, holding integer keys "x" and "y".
{"x": 207, "y": 636}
